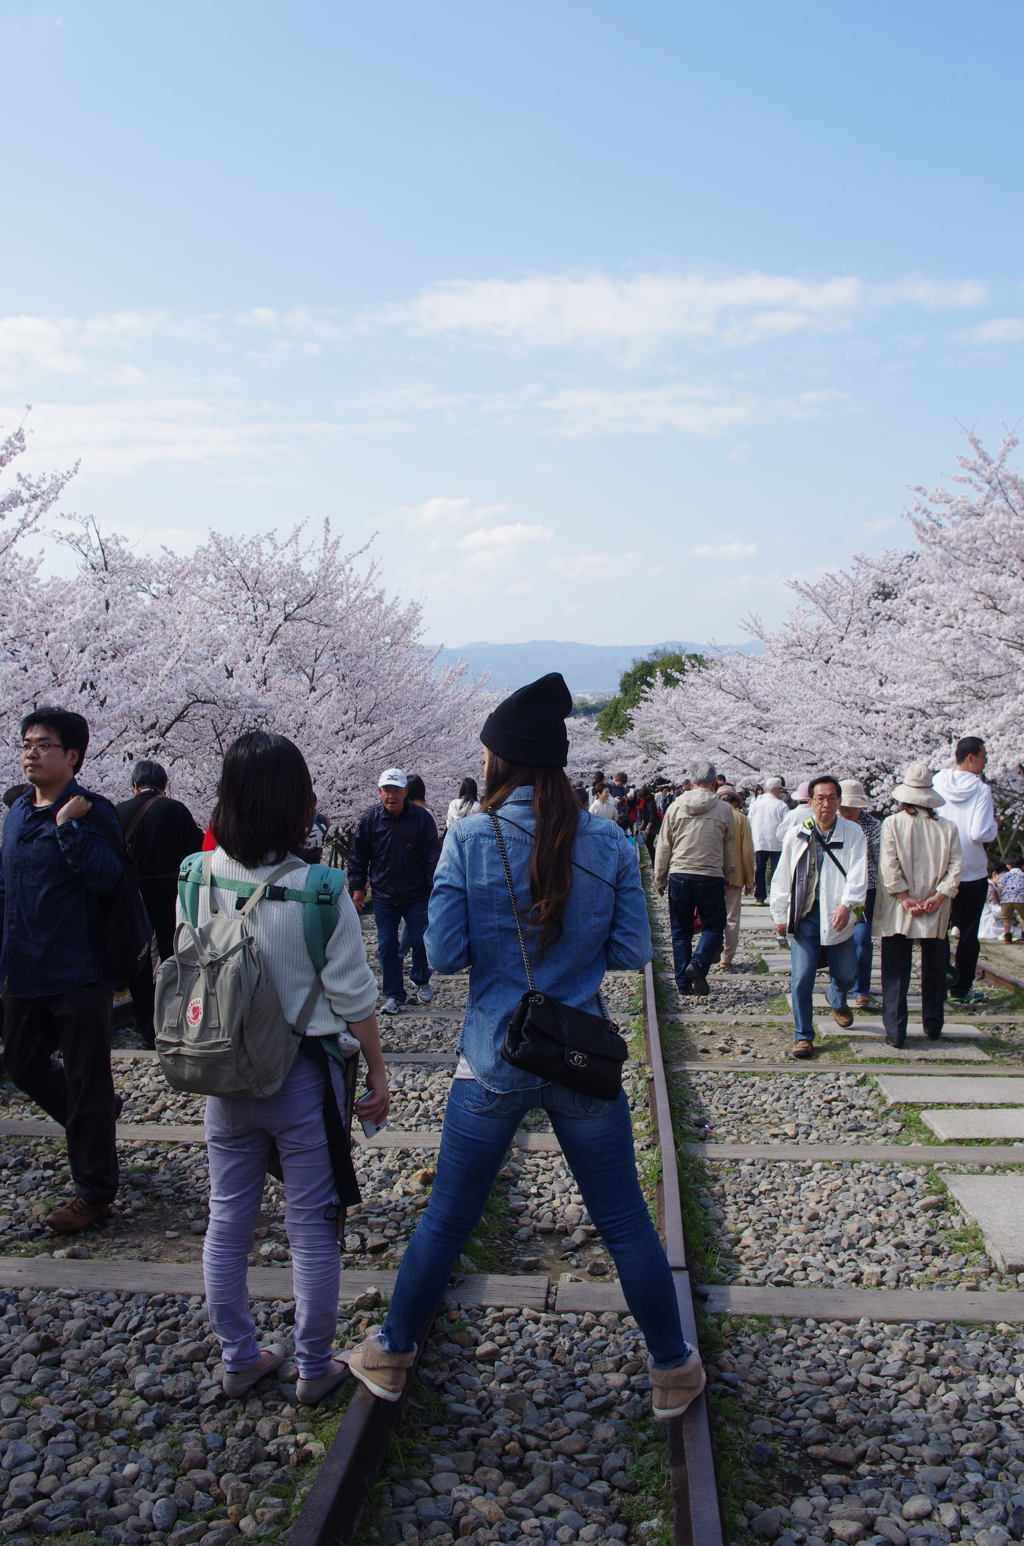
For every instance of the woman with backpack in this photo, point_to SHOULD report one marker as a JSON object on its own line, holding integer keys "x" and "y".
{"x": 535, "y": 892}
{"x": 264, "y": 809}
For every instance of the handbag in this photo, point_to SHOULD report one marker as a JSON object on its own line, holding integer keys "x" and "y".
{"x": 562, "y": 1044}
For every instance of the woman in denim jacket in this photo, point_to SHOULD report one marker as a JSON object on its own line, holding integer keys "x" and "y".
{"x": 578, "y": 889}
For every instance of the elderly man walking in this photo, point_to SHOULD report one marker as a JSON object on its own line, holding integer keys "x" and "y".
{"x": 694, "y": 858}
{"x": 742, "y": 877}
{"x": 766, "y": 812}
{"x": 818, "y": 891}
{"x": 969, "y": 807}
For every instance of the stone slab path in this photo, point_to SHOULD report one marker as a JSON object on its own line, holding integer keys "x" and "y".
{"x": 928, "y": 1052}
{"x": 996, "y": 1204}
{"x": 865, "y": 1029}
{"x": 856, "y": 1153}
{"x": 952, "y": 1091}
{"x": 960, "y": 1124}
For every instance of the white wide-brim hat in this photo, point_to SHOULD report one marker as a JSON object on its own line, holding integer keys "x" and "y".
{"x": 916, "y": 788}
{"x": 851, "y": 794}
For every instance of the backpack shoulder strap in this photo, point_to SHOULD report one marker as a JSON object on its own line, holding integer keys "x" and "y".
{"x": 190, "y": 879}
{"x": 323, "y": 888}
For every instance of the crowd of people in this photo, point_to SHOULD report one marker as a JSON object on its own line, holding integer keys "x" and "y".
{"x": 533, "y": 886}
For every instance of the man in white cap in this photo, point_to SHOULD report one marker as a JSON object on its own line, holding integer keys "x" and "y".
{"x": 765, "y": 814}
{"x": 395, "y": 848}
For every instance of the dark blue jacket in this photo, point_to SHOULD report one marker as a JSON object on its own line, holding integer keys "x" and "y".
{"x": 379, "y": 855}
{"x": 52, "y": 884}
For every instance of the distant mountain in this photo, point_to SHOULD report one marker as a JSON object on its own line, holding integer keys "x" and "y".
{"x": 586, "y": 667}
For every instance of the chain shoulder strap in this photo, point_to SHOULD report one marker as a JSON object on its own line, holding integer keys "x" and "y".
{"x": 511, "y": 891}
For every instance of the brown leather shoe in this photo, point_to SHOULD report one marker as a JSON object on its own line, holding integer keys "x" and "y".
{"x": 843, "y": 1017}
{"x": 75, "y": 1215}
{"x": 803, "y": 1049}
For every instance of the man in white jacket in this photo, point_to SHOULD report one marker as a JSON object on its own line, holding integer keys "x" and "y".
{"x": 764, "y": 815}
{"x": 818, "y": 889}
{"x": 969, "y": 806}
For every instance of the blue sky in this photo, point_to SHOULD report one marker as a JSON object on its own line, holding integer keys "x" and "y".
{"x": 607, "y": 321}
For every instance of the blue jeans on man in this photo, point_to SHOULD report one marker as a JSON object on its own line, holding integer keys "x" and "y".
{"x": 689, "y": 894}
{"x": 865, "y": 948}
{"x": 389, "y": 919}
{"x": 805, "y": 950}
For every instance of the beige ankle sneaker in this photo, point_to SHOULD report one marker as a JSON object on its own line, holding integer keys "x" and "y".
{"x": 383, "y": 1373}
{"x": 672, "y": 1390}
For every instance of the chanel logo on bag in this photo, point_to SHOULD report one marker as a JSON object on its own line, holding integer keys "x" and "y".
{"x": 578, "y": 1059}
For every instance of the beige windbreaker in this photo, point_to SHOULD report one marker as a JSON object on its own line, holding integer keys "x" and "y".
{"x": 697, "y": 837}
{"x": 921, "y": 856}
{"x": 743, "y": 854}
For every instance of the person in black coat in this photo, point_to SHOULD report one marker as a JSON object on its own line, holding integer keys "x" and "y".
{"x": 396, "y": 848}
{"x": 159, "y": 833}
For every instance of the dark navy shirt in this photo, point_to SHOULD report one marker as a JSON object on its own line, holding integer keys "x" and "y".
{"x": 52, "y": 884}
{"x": 378, "y": 854}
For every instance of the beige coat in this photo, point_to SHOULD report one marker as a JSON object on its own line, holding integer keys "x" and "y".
{"x": 743, "y": 853}
{"x": 697, "y": 837}
{"x": 921, "y": 856}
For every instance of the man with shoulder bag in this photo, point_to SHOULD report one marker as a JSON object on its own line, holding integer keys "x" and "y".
{"x": 61, "y": 864}
{"x": 395, "y": 849}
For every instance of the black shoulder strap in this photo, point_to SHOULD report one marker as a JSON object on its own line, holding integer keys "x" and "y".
{"x": 826, "y": 849}
{"x": 416, "y": 855}
{"x": 129, "y": 830}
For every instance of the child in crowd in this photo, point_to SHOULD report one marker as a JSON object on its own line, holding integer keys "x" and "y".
{"x": 991, "y": 924}
{"x": 1010, "y": 888}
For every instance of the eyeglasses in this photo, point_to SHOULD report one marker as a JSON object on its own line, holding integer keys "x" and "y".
{"x": 39, "y": 746}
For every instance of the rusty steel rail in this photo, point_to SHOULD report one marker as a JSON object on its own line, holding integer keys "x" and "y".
{"x": 696, "y": 1512}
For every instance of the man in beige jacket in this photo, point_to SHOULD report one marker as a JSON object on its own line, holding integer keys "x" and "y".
{"x": 694, "y": 857}
{"x": 742, "y": 877}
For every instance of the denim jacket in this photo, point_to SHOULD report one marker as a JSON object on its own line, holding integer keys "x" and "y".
{"x": 471, "y": 924}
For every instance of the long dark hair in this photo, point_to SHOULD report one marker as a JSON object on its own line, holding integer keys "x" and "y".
{"x": 265, "y": 801}
{"x": 556, "y": 815}
{"x": 468, "y": 789}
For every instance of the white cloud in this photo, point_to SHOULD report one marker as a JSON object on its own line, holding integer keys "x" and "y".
{"x": 1001, "y": 330}
{"x": 724, "y": 550}
{"x": 489, "y": 547}
{"x": 591, "y": 566}
{"x": 559, "y": 310}
{"x": 442, "y": 512}
{"x": 691, "y": 409}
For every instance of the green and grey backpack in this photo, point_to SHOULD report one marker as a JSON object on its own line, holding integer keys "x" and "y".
{"x": 220, "y": 1028}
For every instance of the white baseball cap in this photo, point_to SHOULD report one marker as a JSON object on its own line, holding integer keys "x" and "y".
{"x": 393, "y": 776}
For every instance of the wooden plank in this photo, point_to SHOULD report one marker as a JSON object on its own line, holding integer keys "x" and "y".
{"x": 168, "y": 1132}
{"x": 675, "y": 1244}
{"x": 863, "y": 1153}
{"x": 881, "y": 1304}
{"x": 816, "y": 1066}
{"x": 146, "y": 1277}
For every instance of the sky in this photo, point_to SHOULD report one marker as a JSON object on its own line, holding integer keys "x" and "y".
{"x": 597, "y": 322}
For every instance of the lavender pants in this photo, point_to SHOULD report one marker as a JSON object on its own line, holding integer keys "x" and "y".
{"x": 238, "y": 1135}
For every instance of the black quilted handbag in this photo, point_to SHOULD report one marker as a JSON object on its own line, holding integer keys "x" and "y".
{"x": 560, "y": 1044}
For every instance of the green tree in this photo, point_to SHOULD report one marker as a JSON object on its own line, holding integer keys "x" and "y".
{"x": 634, "y": 684}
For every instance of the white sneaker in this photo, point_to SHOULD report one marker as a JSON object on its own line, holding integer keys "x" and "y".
{"x": 425, "y": 994}
{"x": 391, "y": 1006}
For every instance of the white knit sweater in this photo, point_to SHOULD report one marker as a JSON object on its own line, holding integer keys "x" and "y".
{"x": 350, "y": 988}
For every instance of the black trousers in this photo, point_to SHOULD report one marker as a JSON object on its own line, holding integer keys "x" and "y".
{"x": 897, "y": 952}
{"x": 80, "y": 1094}
{"x": 160, "y": 897}
{"x": 762, "y": 878}
{"x": 965, "y": 914}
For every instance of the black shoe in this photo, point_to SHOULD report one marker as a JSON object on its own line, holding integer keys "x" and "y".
{"x": 898, "y": 1041}
{"x": 698, "y": 979}
{"x": 933, "y": 1035}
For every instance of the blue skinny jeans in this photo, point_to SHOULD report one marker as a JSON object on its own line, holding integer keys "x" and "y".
{"x": 865, "y": 949}
{"x": 389, "y": 920}
{"x": 804, "y": 952}
{"x": 597, "y": 1140}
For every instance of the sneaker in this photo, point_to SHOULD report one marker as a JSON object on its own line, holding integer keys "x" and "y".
{"x": 425, "y": 995}
{"x": 75, "y": 1215}
{"x": 309, "y": 1392}
{"x": 384, "y": 1374}
{"x": 862, "y": 1001}
{"x": 391, "y": 1006}
{"x": 802, "y": 1048}
{"x": 1007, "y": 939}
{"x": 843, "y": 1017}
{"x": 698, "y": 980}
{"x": 238, "y": 1381}
{"x": 672, "y": 1390}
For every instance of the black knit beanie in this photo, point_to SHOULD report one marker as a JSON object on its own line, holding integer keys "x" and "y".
{"x": 529, "y": 727}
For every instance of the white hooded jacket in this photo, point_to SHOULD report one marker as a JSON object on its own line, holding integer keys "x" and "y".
{"x": 969, "y": 807}
{"x": 850, "y": 846}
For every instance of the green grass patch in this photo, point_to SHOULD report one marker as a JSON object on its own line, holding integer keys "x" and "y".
{"x": 653, "y": 1497}
{"x": 778, "y": 1006}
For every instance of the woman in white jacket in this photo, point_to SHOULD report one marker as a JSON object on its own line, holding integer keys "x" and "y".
{"x": 818, "y": 891}
{"x": 919, "y": 871}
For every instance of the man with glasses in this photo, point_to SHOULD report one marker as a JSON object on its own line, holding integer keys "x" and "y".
{"x": 818, "y": 892}
{"x": 61, "y": 857}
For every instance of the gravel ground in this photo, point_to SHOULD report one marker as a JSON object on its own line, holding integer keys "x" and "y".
{"x": 113, "y": 1422}
{"x": 543, "y": 1418}
{"x": 910, "y": 1433}
{"x": 866, "y": 1225}
{"x": 820, "y": 1108}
